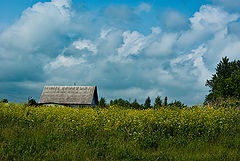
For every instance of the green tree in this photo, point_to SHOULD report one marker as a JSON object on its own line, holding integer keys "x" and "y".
{"x": 158, "y": 102}
{"x": 178, "y": 104}
{"x": 147, "y": 103}
{"x": 120, "y": 102}
{"x": 32, "y": 102}
{"x": 225, "y": 83}
{"x": 165, "y": 101}
{"x": 102, "y": 102}
{"x": 135, "y": 104}
{"x": 4, "y": 101}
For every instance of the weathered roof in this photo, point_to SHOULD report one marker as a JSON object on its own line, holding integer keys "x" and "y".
{"x": 75, "y": 95}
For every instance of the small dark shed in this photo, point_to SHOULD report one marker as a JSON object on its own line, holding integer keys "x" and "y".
{"x": 69, "y": 96}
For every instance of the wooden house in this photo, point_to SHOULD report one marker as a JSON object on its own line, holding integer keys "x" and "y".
{"x": 73, "y": 96}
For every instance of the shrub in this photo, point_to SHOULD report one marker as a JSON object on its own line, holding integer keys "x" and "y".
{"x": 4, "y": 101}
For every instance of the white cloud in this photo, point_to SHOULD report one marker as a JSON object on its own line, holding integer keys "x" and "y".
{"x": 109, "y": 41}
{"x": 39, "y": 26}
{"x": 228, "y": 4}
{"x": 191, "y": 66}
{"x": 211, "y": 19}
{"x": 143, "y": 7}
{"x": 234, "y": 28}
{"x": 62, "y": 61}
{"x": 155, "y": 43}
{"x": 133, "y": 43}
{"x": 222, "y": 44}
{"x": 119, "y": 14}
{"x": 105, "y": 32}
{"x": 156, "y": 30}
{"x": 174, "y": 20}
{"x": 162, "y": 47}
{"x": 85, "y": 44}
{"x": 208, "y": 21}
{"x": 232, "y": 50}
{"x": 62, "y": 3}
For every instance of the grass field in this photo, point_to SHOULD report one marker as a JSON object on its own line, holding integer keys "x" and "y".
{"x": 115, "y": 133}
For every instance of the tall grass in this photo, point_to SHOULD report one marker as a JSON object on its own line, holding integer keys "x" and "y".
{"x": 114, "y": 133}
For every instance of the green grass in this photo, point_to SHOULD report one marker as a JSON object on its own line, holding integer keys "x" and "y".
{"x": 48, "y": 139}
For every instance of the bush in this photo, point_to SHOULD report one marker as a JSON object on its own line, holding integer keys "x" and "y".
{"x": 4, "y": 101}
{"x": 32, "y": 102}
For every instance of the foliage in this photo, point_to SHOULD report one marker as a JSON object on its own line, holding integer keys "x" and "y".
{"x": 63, "y": 133}
{"x": 120, "y": 102}
{"x": 225, "y": 83}
{"x": 4, "y": 101}
{"x": 177, "y": 104}
{"x": 232, "y": 103}
{"x": 136, "y": 105}
{"x": 147, "y": 103}
{"x": 32, "y": 102}
{"x": 158, "y": 102}
{"x": 126, "y": 104}
{"x": 165, "y": 101}
{"x": 102, "y": 102}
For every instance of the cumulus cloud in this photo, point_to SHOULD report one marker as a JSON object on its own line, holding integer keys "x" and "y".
{"x": 133, "y": 43}
{"x": 63, "y": 61}
{"x": 234, "y": 28}
{"x": 154, "y": 44}
{"x": 109, "y": 41}
{"x": 232, "y": 50}
{"x": 208, "y": 21}
{"x": 174, "y": 20}
{"x": 228, "y": 4}
{"x": 39, "y": 26}
{"x": 85, "y": 44}
{"x": 163, "y": 46}
{"x": 191, "y": 66}
{"x": 211, "y": 19}
{"x": 143, "y": 7}
{"x": 119, "y": 15}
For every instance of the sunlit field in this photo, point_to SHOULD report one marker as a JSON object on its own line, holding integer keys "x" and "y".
{"x": 117, "y": 133}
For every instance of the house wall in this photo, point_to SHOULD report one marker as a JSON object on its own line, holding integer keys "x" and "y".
{"x": 74, "y": 106}
{"x": 94, "y": 102}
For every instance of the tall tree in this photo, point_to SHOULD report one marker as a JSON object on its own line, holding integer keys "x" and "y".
{"x": 147, "y": 103}
{"x": 158, "y": 102}
{"x": 165, "y": 101}
{"x": 102, "y": 102}
{"x": 120, "y": 102}
{"x": 225, "y": 83}
{"x": 135, "y": 104}
{"x": 177, "y": 104}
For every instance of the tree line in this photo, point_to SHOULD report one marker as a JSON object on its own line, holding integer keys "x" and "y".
{"x": 158, "y": 103}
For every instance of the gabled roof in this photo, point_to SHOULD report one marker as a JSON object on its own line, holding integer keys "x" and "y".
{"x": 69, "y": 95}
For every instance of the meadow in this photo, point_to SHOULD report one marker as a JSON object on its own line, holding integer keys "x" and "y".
{"x": 118, "y": 133}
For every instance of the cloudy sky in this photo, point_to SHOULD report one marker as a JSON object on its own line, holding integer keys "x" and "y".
{"x": 129, "y": 49}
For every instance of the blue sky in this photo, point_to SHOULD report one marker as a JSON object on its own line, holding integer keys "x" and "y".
{"x": 129, "y": 49}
